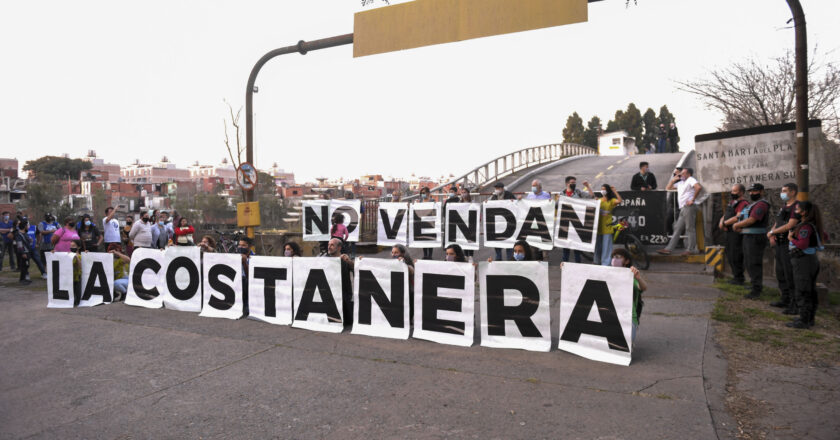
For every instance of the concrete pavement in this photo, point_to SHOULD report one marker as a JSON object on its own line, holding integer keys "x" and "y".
{"x": 116, "y": 371}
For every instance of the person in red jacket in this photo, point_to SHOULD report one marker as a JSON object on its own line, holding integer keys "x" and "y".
{"x": 184, "y": 233}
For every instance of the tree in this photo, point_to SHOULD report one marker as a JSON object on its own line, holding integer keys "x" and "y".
{"x": 43, "y": 196}
{"x": 573, "y": 133}
{"x": 615, "y": 123}
{"x": 751, "y": 93}
{"x": 593, "y": 130}
{"x": 650, "y": 123}
{"x": 238, "y": 145}
{"x": 54, "y": 167}
{"x": 631, "y": 122}
{"x": 665, "y": 116}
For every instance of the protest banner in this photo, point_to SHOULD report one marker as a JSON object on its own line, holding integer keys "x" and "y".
{"x": 316, "y": 286}
{"x": 424, "y": 227}
{"x": 577, "y": 223}
{"x": 596, "y": 312}
{"x": 535, "y": 223}
{"x": 500, "y": 224}
{"x": 182, "y": 287}
{"x": 270, "y": 289}
{"x": 514, "y": 304}
{"x": 444, "y": 302}
{"x": 392, "y": 224}
{"x": 462, "y": 225}
{"x": 223, "y": 293}
{"x": 145, "y": 277}
{"x": 316, "y": 220}
{"x": 60, "y": 294}
{"x": 380, "y": 298}
{"x": 351, "y": 210}
{"x": 97, "y": 280}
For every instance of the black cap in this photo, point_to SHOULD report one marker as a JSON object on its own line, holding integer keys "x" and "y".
{"x": 756, "y": 187}
{"x": 499, "y": 185}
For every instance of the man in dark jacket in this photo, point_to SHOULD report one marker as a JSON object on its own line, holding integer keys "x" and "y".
{"x": 23, "y": 248}
{"x": 643, "y": 180}
{"x": 499, "y": 193}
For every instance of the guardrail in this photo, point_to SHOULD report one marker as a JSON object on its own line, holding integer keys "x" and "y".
{"x": 510, "y": 163}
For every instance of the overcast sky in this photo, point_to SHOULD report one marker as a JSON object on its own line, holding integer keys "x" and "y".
{"x": 143, "y": 80}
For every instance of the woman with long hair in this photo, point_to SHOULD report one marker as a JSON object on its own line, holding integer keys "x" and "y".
{"x": 603, "y": 246}
{"x": 454, "y": 253}
{"x": 292, "y": 249}
{"x": 805, "y": 240}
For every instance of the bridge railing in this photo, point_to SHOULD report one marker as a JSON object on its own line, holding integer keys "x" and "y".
{"x": 510, "y": 163}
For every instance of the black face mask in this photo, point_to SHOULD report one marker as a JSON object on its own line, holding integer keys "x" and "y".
{"x": 244, "y": 251}
{"x": 755, "y": 197}
{"x": 735, "y": 196}
{"x": 74, "y": 250}
{"x": 797, "y": 216}
{"x": 145, "y": 219}
{"x": 572, "y": 186}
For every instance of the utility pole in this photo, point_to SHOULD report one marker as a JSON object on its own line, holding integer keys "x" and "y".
{"x": 801, "y": 89}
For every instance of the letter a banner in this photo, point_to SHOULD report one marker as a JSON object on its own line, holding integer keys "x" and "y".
{"x": 514, "y": 303}
{"x": 97, "y": 280}
{"x": 596, "y": 312}
{"x": 60, "y": 293}
{"x": 317, "y": 294}
{"x": 392, "y": 224}
{"x": 444, "y": 302}
{"x": 380, "y": 298}
{"x": 145, "y": 276}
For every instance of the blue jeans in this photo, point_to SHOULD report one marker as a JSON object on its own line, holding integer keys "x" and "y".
{"x": 120, "y": 288}
{"x": 566, "y": 253}
{"x": 509, "y": 253}
{"x": 603, "y": 249}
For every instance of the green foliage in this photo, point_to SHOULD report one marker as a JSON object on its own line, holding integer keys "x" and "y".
{"x": 574, "y": 130}
{"x": 45, "y": 196}
{"x": 650, "y": 123}
{"x": 56, "y": 167}
{"x": 593, "y": 130}
{"x": 665, "y": 116}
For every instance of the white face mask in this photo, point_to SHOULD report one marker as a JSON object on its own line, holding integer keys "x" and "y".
{"x": 534, "y": 189}
{"x": 498, "y": 192}
{"x": 450, "y": 258}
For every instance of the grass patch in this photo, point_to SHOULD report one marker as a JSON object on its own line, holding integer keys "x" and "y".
{"x": 664, "y": 396}
{"x": 834, "y": 298}
{"x": 751, "y": 312}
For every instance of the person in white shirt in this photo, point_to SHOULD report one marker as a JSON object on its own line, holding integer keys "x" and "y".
{"x": 141, "y": 232}
{"x": 110, "y": 227}
{"x": 687, "y": 191}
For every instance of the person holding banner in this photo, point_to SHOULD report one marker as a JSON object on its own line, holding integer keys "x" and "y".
{"x": 603, "y": 246}
{"x": 207, "y": 244}
{"x": 574, "y": 192}
{"x": 622, "y": 258}
{"x": 122, "y": 263}
{"x": 400, "y": 252}
{"x": 499, "y": 193}
{"x": 334, "y": 250}
{"x": 466, "y": 197}
{"x": 454, "y": 253}
{"x": 521, "y": 252}
{"x": 76, "y": 250}
{"x": 292, "y": 249}
{"x": 425, "y": 196}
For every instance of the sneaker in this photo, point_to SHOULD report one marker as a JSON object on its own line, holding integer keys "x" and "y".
{"x": 664, "y": 252}
{"x": 43, "y": 276}
{"x": 780, "y": 304}
{"x": 26, "y": 282}
{"x": 798, "y": 323}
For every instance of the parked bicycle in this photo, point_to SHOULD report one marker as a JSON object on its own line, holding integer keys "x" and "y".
{"x": 228, "y": 241}
{"x": 625, "y": 234}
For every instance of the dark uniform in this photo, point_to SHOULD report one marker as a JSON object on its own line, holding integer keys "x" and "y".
{"x": 784, "y": 270}
{"x": 755, "y": 240}
{"x": 735, "y": 241}
{"x": 806, "y": 267}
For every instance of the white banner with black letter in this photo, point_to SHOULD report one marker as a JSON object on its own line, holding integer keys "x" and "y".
{"x": 317, "y": 294}
{"x": 182, "y": 287}
{"x": 380, "y": 298}
{"x": 270, "y": 289}
{"x": 223, "y": 295}
{"x": 462, "y": 226}
{"x": 577, "y": 224}
{"x": 535, "y": 223}
{"x": 444, "y": 302}
{"x": 145, "y": 277}
{"x": 316, "y": 220}
{"x": 596, "y": 312}
{"x": 500, "y": 223}
{"x": 60, "y": 294}
{"x": 514, "y": 303}
{"x": 424, "y": 226}
{"x": 392, "y": 224}
{"x": 351, "y": 210}
{"x": 97, "y": 281}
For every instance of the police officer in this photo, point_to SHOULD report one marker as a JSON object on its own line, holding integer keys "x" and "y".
{"x": 805, "y": 241}
{"x": 752, "y": 224}
{"x": 734, "y": 240}
{"x": 778, "y": 236}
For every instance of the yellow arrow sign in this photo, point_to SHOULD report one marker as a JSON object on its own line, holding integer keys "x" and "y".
{"x": 427, "y": 22}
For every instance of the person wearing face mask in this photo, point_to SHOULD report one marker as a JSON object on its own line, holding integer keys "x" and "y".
{"x": 425, "y": 196}
{"x": 400, "y": 252}
{"x": 110, "y": 227}
{"x": 734, "y": 240}
{"x": 23, "y": 249}
{"x": 574, "y": 192}
{"x": 752, "y": 223}
{"x": 128, "y": 245}
{"x": 141, "y": 232}
{"x": 622, "y": 258}
{"x": 805, "y": 240}
{"x": 499, "y": 193}
{"x": 687, "y": 191}
{"x": 46, "y": 229}
{"x": 454, "y": 253}
{"x": 604, "y": 244}
{"x": 521, "y": 252}
{"x": 644, "y": 180}
{"x": 122, "y": 263}
{"x": 89, "y": 233}
{"x": 6, "y": 243}
{"x": 162, "y": 231}
{"x": 334, "y": 250}
{"x": 35, "y": 238}
{"x": 537, "y": 192}
{"x": 63, "y": 238}
{"x": 778, "y": 238}
{"x": 292, "y": 249}
{"x": 184, "y": 233}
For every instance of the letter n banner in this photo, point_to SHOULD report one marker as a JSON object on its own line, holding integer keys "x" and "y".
{"x": 515, "y": 305}
{"x": 596, "y": 312}
{"x": 380, "y": 299}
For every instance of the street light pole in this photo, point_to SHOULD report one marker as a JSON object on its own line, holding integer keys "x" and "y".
{"x": 301, "y": 47}
{"x": 801, "y": 89}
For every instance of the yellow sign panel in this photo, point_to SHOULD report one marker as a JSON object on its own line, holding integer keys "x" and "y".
{"x": 427, "y": 22}
{"x": 248, "y": 214}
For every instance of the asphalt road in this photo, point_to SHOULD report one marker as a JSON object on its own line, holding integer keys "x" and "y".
{"x": 598, "y": 170}
{"x": 116, "y": 371}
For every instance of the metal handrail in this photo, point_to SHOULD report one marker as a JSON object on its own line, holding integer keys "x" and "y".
{"x": 491, "y": 171}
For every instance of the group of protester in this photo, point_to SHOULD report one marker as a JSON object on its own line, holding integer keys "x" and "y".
{"x": 667, "y": 140}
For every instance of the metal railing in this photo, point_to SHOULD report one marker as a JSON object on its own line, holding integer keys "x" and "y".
{"x": 510, "y": 163}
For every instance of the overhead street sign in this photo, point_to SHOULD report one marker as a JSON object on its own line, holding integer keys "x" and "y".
{"x": 427, "y": 22}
